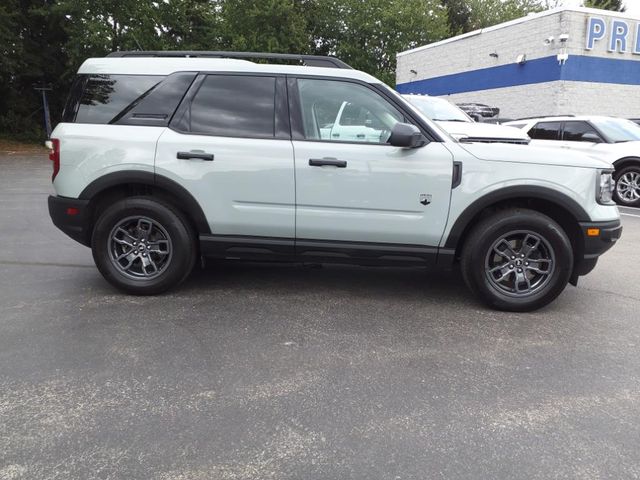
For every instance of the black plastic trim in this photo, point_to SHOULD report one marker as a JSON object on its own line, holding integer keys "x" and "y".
{"x": 610, "y": 232}
{"x": 187, "y": 203}
{"x": 75, "y": 226}
{"x": 622, "y": 162}
{"x": 239, "y": 247}
{"x": 365, "y": 253}
{"x": 456, "y": 178}
{"x": 515, "y": 192}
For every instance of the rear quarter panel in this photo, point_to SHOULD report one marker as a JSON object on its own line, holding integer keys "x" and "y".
{"x": 88, "y": 152}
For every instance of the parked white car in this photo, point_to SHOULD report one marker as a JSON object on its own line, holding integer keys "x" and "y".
{"x": 461, "y": 126}
{"x": 616, "y": 140}
{"x": 164, "y": 157}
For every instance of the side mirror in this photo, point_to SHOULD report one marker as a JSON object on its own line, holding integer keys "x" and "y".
{"x": 407, "y": 136}
{"x": 591, "y": 137}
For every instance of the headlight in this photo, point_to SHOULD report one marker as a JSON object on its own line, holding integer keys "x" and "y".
{"x": 604, "y": 187}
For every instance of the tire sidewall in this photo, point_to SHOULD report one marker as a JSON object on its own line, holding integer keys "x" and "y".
{"x": 490, "y": 232}
{"x": 617, "y": 175}
{"x": 182, "y": 241}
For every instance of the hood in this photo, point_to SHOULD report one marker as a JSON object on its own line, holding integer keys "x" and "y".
{"x": 499, "y": 152}
{"x": 606, "y": 151}
{"x": 486, "y": 132}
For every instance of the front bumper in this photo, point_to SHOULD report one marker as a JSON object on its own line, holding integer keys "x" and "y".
{"x": 71, "y": 215}
{"x": 597, "y": 238}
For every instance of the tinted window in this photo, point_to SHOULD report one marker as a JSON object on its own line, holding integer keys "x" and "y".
{"x": 157, "y": 107}
{"x": 233, "y": 106}
{"x": 105, "y": 96}
{"x": 345, "y": 112}
{"x": 545, "y": 131}
{"x": 574, "y": 131}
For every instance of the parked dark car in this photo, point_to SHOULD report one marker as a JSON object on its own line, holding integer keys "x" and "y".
{"x": 479, "y": 110}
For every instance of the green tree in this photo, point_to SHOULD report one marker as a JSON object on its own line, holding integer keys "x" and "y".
{"x": 368, "y": 34}
{"x": 468, "y": 15}
{"x": 615, "y": 5}
{"x": 264, "y": 26}
{"x": 459, "y": 15}
{"x": 30, "y": 38}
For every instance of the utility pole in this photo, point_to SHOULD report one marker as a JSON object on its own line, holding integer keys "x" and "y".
{"x": 43, "y": 89}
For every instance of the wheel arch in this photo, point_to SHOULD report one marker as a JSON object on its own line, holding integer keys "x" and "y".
{"x": 558, "y": 206}
{"x": 117, "y": 185}
{"x": 625, "y": 162}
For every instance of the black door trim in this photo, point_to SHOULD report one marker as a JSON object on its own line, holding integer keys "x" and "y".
{"x": 239, "y": 247}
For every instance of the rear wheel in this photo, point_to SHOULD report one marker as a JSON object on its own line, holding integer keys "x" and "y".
{"x": 627, "y": 191}
{"x": 143, "y": 246}
{"x": 517, "y": 260}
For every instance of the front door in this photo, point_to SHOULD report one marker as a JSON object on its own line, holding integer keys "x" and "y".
{"x": 362, "y": 191}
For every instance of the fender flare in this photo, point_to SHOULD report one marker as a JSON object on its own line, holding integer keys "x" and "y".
{"x": 520, "y": 192}
{"x": 622, "y": 162}
{"x": 186, "y": 201}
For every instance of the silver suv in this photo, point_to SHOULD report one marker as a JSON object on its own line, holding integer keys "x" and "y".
{"x": 163, "y": 157}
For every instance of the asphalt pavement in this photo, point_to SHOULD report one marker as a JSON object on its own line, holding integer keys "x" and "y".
{"x": 254, "y": 371}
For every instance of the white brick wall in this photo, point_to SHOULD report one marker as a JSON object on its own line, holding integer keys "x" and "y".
{"x": 527, "y": 37}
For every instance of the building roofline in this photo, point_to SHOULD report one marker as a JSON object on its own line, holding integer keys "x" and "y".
{"x": 531, "y": 16}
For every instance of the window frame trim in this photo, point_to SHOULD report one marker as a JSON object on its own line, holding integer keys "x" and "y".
{"x": 281, "y": 127}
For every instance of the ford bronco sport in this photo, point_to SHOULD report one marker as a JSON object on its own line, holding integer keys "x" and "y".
{"x": 165, "y": 157}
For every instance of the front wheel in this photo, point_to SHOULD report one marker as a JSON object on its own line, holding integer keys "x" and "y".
{"x": 517, "y": 260}
{"x": 143, "y": 246}
{"x": 627, "y": 191}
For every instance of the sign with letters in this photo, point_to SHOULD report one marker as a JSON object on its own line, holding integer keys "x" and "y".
{"x": 622, "y": 36}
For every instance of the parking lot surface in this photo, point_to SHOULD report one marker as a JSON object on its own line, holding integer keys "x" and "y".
{"x": 294, "y": 372}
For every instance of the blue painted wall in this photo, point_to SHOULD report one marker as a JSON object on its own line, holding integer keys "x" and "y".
{"x": 547, "y": 69}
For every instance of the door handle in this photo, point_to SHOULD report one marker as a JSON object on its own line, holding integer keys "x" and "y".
{"x": 333, "y": 162}
{"x": 200, "y": 155}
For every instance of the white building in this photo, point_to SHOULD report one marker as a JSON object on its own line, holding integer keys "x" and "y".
{"x": 562, "y": 61}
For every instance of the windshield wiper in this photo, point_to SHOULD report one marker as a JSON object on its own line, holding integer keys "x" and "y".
{"x": 449, "y": 120}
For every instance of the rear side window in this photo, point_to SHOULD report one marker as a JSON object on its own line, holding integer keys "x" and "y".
{"x": 233, "y": 106}
{"x": 545, "y": 131}
{"x": 104, "y": 97}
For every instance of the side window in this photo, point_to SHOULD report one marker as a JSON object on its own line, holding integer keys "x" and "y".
{"x": 345, "y": 112}
{"x": 545, "y": 131}
{"x": 574, "y": 131}
{"x": 233, "y": 106}
{"x": 105, "y": 96}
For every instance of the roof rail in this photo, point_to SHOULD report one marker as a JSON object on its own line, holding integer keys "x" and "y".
{"x": 307, "y": 60}
{"x": 542, "y": 116}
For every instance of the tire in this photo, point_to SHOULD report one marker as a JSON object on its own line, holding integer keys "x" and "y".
{"x": 526, "y": 283}
{"x": 143, "y": 246}
{"x": 627, "y": 191}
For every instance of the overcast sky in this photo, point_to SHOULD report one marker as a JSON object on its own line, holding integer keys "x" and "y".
{"x": 633, "y": 6}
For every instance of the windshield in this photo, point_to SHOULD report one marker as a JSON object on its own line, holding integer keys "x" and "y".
{"x": 438, "y": 109}
{"x": 617, "y": 130}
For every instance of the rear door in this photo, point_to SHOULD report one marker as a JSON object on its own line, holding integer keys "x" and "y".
{"x": 229, "y": 146}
